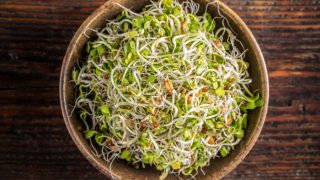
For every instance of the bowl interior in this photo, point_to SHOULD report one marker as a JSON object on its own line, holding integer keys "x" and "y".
{"x": 220, "y": 166}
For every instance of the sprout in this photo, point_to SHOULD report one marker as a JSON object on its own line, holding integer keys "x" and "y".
{"x": 90, "y": 133}
{"x": 126, "y": 155}
{"x": 176, "y": 165}
{"x": 105, "y": 110}
{"x": 239, "y": 133}
{"x": 164, "y": 87}
{"x": 224, "y": 151}
{"x": 75, "y": 75}
{"x": 220, "y": 92}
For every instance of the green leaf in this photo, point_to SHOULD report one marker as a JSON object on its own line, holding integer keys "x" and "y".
{"x": 193, "y": 27}
{"x": 83, "y": 115}
{"x": 126, "y": 155}
{"x": 226, "y": 46}
{"x": 244, "y": 120}
{"x": 125, "y": 27}
{"x": 151, "y": 79}
{"x": 81, "y": 91}
{"x": 126, "y": 49}
{"x": 219, "y": 124}
{"x": 140, "y": 68}
{"x": 93, "y": 54}
{"x": 133, "y": 34}
{"x": 208, "y": 24}
{"x": 211, "y": 26}
{"x": 110, "y": 65}
{"x": 162, "y": 17}
{"x": 132, "y": 46}
{"x": 168, "y": 31}
{"x": 224, "y": 151}
{"x": 191, "y": 122}
{"x": 145, "y": 52}
{"x": 104, "y": 128}
{"x": 138, "y": 22}
{"x": 186, "y": 134}
{"x": 130, "y": 55}
{"x": 219, "y": 59}
{"x": 207, "y": 16}
{"x": 123, "y": 15}
{"x": 243, "y": 64}
{"x": 75, "y": 75}
{"x": 200, "y": 48}
{"x": 147, "y": 25}
{"x": 177, "y": 11}
{"x": 165, "y": 117}
{"x": 104, "y": 110}
{"x": 230, "y": 130}
{"x": 209, "y": 123}
{"x": 220, "y": 92}
{"x": 197, "y": 144}
{"x": 202, "y": 159}
{"x": 215, "y": 85}
{"x": 251, "y": 105}
{"x": 188, "y": 171}
{"x": 131, "y": 79}
{"x": 128, "y": 60}
{"x": 239, "y": 133}
{"x": 98, "y": 72}
{"x": 125, "y": 82}
{"x": 176, "y": 165}
{"x": 89, "y": 133}
{"x": 161, "y": 31}
{"x": 148, "y": 158}
{"x": 100, "y": 139}
{"x": 243, "y": 108}
{"x": 259, "y": 102}
{"x": 101, "y": 50}
{"x": 193, "y": 18}
{"x": 167, "y": 3}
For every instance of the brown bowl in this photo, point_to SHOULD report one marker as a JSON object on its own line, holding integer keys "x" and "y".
{"x": 120, "y": 170}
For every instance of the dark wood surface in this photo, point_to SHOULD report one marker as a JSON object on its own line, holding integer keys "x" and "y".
{"x": 34, "y": 35}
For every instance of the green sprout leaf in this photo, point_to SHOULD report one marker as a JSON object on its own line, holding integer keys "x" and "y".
{"x": 105, "y": 110}
{"x": 226, "y": 46}
{"x": 126, "y": 155}
{"x": 239, "y": 133}
{"x": 101, "y": 50}
{"x": 167, "y": 3}
{"x": 75, "y": 75}
{"x": 219, "y": 59}
{"x": 224, "y": 151}
{"x": 90, "y": 133}
{"x": 220, "y": 92}
{"x": 133, "y": 34}
{"x": 100, "y": 139}
{"x": 176, "y": 165}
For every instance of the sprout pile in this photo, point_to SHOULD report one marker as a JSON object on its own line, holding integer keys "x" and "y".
{"x": 164, "y": 87}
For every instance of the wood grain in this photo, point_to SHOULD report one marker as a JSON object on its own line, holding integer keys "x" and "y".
{"x": 34, "y": 143}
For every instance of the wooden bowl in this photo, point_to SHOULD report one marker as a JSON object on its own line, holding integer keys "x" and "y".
{"x": 120, "y": 170}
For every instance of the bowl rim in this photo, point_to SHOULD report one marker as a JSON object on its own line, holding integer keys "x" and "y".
{"x": 95, "y": 160}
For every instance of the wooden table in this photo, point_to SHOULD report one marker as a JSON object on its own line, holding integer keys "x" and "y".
{"x": 34, "y": 35}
